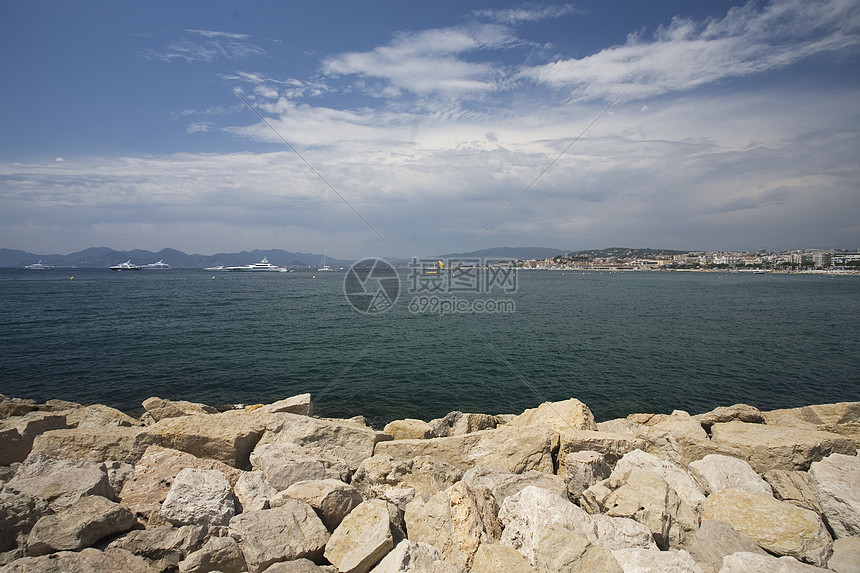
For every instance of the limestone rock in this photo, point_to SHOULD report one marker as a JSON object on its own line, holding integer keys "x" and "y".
{"x": 622, "y": 533}
{"x": 509, "y": 448}
{"x": 331, "y": 499}
{"x": 60, "y": 482}
{"x": 612, "y": 445}
{"x": 300, "y": 404}
{"x": 846, "y": 555}
{"x": 18, "y": 514}
{"x": 300, "y": 566}
{"x": 458, "y": 423}
{"x": 498, "y": 558}
{"x": 795, "y": 487}
{"x": 17, "y": 434}
{"x": 837, "y": 485}
{"x": 777, "y": 526}
{"x": 93, "y": 443}
{"x": 220, "y": 554}
{"x": 559, "y": 549}
{"x": 504, "y": 484}
{"x": 98, "y": 416}
{"x": 716, "y": 539}
{"x": 747, "y": 562}
{"x": 253, "y": 492}
{"x": 582, "y": 470}
{"x": 284, "y": 533}
{"x": 80, "y": 525}
{"x": 199, "y": 497}
{"x": 117, "y": 473}
{"x": 641, "y": 560}
{"x": 382, "y": 472}
{"x": 676, "y": 437}
{"x": 648, "y": 499}
{"x": 285, "y": 463}
{"x": 827, "y": 415}
{"x": 715, "y": 472}
{"x": 161, "y": 409}
{"x": 88, "y": 560}
{"x": 739, "y": 412}
{"x": 13, "y": 407}
{"x": 414, "y": 557}
{"x": 146, "y": 490}
{"x": 780, "y": 448}
{"x": 162, "y": 546}
{"x": 561, "y": 416}
{"x": 409, "y": 429}
{"x": 362, "y": 538}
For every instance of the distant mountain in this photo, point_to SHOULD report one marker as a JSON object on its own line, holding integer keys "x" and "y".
{"x": 518, "y": 253}
{"x": 103, "y": 257}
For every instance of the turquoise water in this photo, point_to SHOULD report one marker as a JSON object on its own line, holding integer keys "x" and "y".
{"x": 621, "y": 342}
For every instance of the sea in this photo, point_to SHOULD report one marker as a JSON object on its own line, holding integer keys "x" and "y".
{"x": 622, "y": 342}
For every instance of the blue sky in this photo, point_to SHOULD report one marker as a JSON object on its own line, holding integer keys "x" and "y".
{"x": 407, "y": 129}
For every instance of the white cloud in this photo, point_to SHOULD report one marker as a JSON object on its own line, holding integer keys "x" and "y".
{"x": 207, "y": 46}
{"x": 527, "y": 13}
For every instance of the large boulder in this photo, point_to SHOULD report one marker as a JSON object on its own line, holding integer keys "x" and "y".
{"x": 163, "y": 547}
{"x": 716, "y": 539}
{"x": 333, "y": 500}
{"x": 743, "y": 562}
{"x": 795, "y": 487}
{"x": 504, "y": 484}
{"x": 622, "y": 533}
{"x": 93, "y": 443}
{"x": 199, "y": 497}
{"x": 846, "y": 555}
{"x": 291, "y": 531}
{"x": 382, "y": 472}
{"x": 513, "y": 449}
{"x": 677, "y": 478}
{"x": 611, "y": 445}
{"x": 837, "y": 485}
{"x": 18, "y": 514}
{"x": 88, "y": 560}
{"x": 253, "y": 492}
{"x": 565, "y": 416}
{"x": 416, "y": 557}
{"x": 98, "y": 416}
{"x": 161, "y": 409}
{"x": 498, "y": 558}
{"x": 362, "y": 538}
{"x": 146, "y": 490}
{"x": 17, "y": 434}
{"x": 676, "y": 437}
{"x": 217, "y": 554}
{"x": 739, "y": 412}
{"x": 715, "y": 472}
{"x": 458, "y": 423}
{"x": 777, "y": 526}
{"x": 582, "y": 470}
{"x": 60, "y": 482}
{"x": 560, "y": 549}
{"x": 779, "y": 448}
{"x": 80, "y": 525}
{"x": 300, "y": 404}
{"x": 641, "y": 560}
{"x": 409, "y": 429}
{"x": 285, "y": 463}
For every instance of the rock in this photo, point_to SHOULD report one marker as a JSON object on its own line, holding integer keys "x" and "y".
{"x": 253, "y": 492}
{"x": 643, "y": 560}
{"x": 612, "y": 445}
{"x": 117, "y": 473}
{"x": 88, "y": 560}
{"x": 146, "y": 490}
{"x": 220, "y": 554}
{"x": 17, "y": 434}
{"x": 837, "y": 486}
{"x": 504, "y": 484}
{"x": 622, "y": 533}
{"x": 291, "y": 531}
{"x": 382, "y": 472}
{"x": 559, "y": 549}
{"x": 300, "y": 404}
{"x": 18, "y": 514}
{"x": 777, "y": 526}
{"x": 161, "y": 409}
{"x": 677, "y": 437}
{"x": 285, "y": 463}
{"x": 97, "y": 416}
{"x": 715, "y": 472}
{"x": 299, "y": 566}
{"x": 199, "y": 497}
{"x": 80, "y": 525}
{"x": 678, "y": 479}
{"x": 846, "y": 555}
{"x": 415, "y": 557}
{"x": 13, "y": 407}
{"x": 648, "y": 499}
{"x": 60, "y": 482}
{"x": 582, "y": 470}
{"x": 747, "y": 562}
{"x": 362, "y": 539}
{"x": 458, "y": 423}
{"x": 560, "y": 417}
{"x": 93, "y": 443}
{"x": 331, "y": 499}
{"x": 716, "y": 539}
{"x": 509, "y": 448}
{"x": 526, "y": 514}
{"x": 780, "y": 448}
{"x": 795, "y": 487}
{"x": 162, "y": 546}
{"x": 409, "y": 429}
{"x": 399, "y": 496}
{"x": 498, "y": 558}
{"x": 739, "y": 412}
{"x": 827, "y": 415}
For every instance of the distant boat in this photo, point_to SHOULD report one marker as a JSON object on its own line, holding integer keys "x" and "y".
{"x": 218, "y": 268}
{"x": 262, "y": 266}
{"x": 324, "y": 267}
{"x": 160, "y": 265}
{"x": 39, "y": 267}
{"x": 126, "y": 266}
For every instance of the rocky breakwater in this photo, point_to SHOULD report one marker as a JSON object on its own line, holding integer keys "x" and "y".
{"x": 272, "y": 488}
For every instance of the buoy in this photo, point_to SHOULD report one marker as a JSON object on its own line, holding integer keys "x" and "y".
{"x": 213, "y": 276}
{"x": 71, "y": 279}
{"x": 313, "y": 277}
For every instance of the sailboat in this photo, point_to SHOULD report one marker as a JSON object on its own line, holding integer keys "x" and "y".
{"x": 324, "y": 267}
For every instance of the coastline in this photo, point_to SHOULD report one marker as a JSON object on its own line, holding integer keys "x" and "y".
{"x": 271, "y": 487}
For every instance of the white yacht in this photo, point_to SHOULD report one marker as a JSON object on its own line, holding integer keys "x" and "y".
{"x": 324, "y": 267}
{"x": 39, "y": 267}
{"x": 126, "y": 266}
{"x": 160, "y": 265}
{"x": 262, "y": 266}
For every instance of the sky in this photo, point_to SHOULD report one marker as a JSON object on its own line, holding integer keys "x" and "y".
{"x": 399, "y": 129}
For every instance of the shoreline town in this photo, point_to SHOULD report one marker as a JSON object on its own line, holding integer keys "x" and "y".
{"x": 272, "y": 488}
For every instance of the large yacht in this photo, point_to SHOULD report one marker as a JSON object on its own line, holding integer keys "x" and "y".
{"x": 126, "y": 266}
{"x": 39, "y": 267}
{"x": 160, "y": 265}
{"x": 262, "y": 266}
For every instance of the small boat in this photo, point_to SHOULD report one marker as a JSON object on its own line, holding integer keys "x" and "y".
{"x": 324, "y": 267}
{"x": 39, "y": 267}
{"x": 160, "y": 265}
{"x": 126, "y": 266}
{"x": 262, "y": 266}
